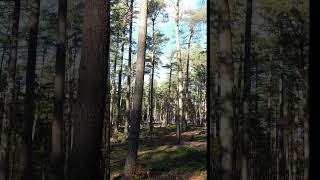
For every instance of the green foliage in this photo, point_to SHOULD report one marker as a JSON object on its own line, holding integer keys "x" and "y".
{"x": 177, "y": 159}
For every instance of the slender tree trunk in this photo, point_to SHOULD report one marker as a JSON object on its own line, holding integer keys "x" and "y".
{"x": 306, "y": 131}
{"x": 151, "y": 118}
{"x": 180, "y": 76}
{"x": 282, "y": 123}
{"x": 186, "y": 109}
{"x": 69, "y": 120}
{"x": 212, "y": 171}
{"x": 4, "y": 50}
{"x": 57, "y": 154}
{"x": 90, "y": 107}
{"x": 128, "y": 102}
{"x": 136, "y": 113}
{"x": 226, "y": 76}
{"x": 246, "y": 92}
{"x": 169, "y": 96}
{"x": 113, "y": 115}
{"x": 11, "y": 93}
{"x": 118, "y": 110}
{"x": 30, "y": 91}
{"x": 306, "y": 138}
{"x": 44, "y": 53}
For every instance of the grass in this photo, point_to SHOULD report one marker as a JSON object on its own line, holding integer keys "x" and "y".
{"x": 181, "y": 159}
{"x": 161, "y": 157}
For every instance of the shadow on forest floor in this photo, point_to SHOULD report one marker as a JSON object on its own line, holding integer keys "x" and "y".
{"x": 159, "y": 156}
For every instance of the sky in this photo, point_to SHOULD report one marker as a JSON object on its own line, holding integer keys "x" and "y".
{"x": 168, "y": 28}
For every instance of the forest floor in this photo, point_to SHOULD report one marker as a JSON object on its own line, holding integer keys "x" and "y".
{"x": 159, "y": 157}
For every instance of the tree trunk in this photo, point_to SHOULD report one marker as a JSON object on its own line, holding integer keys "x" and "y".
{"x": 186, "y": 109}
{"x": 180, "y": 76}
{"x": 113, "y": 116}
{"x": 169, "y": 96}
{"x": 136, "y": 113}
{"x": 128, "y": 102}
{"x": 69, "y": 120}
{"x": 118, "y": 110}
{"x": 57, "y": 154}
{"x": 90, "y": 107}
{"x": 282, "y": 123}
{"x": 107, "y": 122}
{"x": 226, "y": 77}
{"x": 11, "y": 93}
{"x": 4, "y": 50}
{"x": 30, "y": 94}
{"x": 246, "y": 92}
{"x": 151, "y": 118}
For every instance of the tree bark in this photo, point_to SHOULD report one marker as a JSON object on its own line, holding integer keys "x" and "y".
{"x": 128, "y": 102}
{"x": 118, "y": 110}
{"x": 113, "y": 116}
{"x": 11, "y": 93}
{"x": 151, "y": 118}
{"x": 169, "y": 97}
{"x": 90, "y": 107}
{"x": 246, "y": 92}
{"x": 136, "y": 113}
{"x": 57, "y": 154}
{"x": 107, "y": 120}
{"x": 180, "y": 76}
{"x": 226, "y": 76}
{"x": 186, "y": 109}
{"x": 4, "y": 50}
{"x": 30, "y": 91}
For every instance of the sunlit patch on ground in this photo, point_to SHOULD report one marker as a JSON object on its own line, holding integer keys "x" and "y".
{"x": 160, "y": 158}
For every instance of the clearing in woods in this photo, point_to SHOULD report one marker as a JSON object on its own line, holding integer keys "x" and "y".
{"x": 159, "y": 157}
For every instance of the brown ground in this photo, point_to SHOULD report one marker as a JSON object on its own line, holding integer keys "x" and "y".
{"x": 159, "y": 157}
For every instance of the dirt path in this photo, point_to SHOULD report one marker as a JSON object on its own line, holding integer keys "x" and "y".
{"x": 160, "y": 158}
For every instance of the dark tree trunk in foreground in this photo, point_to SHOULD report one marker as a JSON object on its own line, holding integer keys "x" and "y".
{"x": 30, "y": 90}
{"x": 57, "y": 154}
{"x": 107, "y": 120}
{"x": 226, "y": 77}
{"x": 11, "y": 93}
{"x": 90, "y": 107}
{"x": 246, "y": 93}
{"x": 136, "y": 112}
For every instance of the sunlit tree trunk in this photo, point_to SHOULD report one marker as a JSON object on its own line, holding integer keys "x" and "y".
{"x": 118, "y": 110}
{"x": 136, "y": 112}
{"x": 128, "y": 102}
{"x": 180, "y": 76}
{"x": 186, "y": 109}
{"x": 113, "y": 114}
{"x": 151, "y": 118}
{"x": 168, "y": 115}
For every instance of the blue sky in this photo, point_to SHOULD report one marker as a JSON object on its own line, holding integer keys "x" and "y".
{"x": 168, "y": 28}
